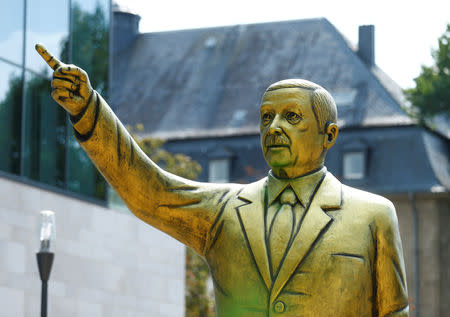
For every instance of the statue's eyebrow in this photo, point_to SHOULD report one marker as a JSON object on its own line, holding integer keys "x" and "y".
{"x": 265, "y": 107}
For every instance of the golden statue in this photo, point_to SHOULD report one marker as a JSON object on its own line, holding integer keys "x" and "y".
{"x": 296, "y": 243}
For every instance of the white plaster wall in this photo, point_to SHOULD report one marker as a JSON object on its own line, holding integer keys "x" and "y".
{"x": 107, "y": 263}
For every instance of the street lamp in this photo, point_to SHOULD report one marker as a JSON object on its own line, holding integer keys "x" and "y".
{"x": 45, "y": 256}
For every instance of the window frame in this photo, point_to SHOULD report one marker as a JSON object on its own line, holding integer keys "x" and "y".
{"x": 355, "y": 146}
{"x": 352, "y": 175}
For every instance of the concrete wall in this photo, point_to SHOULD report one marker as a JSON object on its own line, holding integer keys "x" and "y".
{"x": 107, "y": 263}
{"x": 433, "y": 250}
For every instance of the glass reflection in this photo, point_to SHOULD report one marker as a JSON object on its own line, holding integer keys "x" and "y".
{"x": 45, "y": 124}
{"x": 90, "y": 35}
{"x": 90, "y": 38}
{"x": 51, "y": 154}
{"x": 10, "y": 117}
{"x": 11, "y": 30}
{"x": 47, "y": 23}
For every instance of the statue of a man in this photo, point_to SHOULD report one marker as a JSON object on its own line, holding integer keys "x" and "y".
{"x": 296, "y": 243}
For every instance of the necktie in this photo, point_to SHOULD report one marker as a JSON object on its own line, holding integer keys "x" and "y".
{"x": 281, "y": 228}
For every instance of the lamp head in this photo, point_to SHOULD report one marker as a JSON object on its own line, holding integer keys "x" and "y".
{"x": 47, "y": 230}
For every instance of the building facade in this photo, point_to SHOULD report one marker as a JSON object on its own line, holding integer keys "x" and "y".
{"x": 107, "y": 262}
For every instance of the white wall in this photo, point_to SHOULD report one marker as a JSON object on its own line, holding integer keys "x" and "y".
{"x": 107, "y": 263}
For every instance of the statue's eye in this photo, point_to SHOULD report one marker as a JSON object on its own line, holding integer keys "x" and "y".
{"x": 293, "y": 118}
{"x": 266, "y": 118}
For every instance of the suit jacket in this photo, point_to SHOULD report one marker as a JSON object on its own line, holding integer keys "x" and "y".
{"x": 346, "y": 259}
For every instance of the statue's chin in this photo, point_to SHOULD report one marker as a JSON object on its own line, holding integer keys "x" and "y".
{"x": 278, "y": 164}
{"x": 278, "y": 157}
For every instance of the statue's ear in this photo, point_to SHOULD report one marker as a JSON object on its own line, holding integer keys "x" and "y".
{"x": 331, "y": 134}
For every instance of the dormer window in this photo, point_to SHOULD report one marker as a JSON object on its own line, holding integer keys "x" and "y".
{"x": 354, "y": 165}
{"x": 219, "y": 170}
{"x": 219, "y": 167}
{"x": 354, "y": 160}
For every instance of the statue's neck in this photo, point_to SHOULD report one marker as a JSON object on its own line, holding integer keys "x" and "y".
{"x": 295, "y": 172}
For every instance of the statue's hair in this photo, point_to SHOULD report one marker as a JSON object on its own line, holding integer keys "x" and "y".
{"x": 323, "y": 104}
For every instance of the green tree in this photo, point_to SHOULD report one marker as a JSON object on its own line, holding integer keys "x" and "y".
{"x": 178, "y": 164}
{"x": 431, "y": 96}
{"x": 199, "y": 302}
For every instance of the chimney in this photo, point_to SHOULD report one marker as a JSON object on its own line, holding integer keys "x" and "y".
{"x": 125, "y": 27}
{"x": 366, "y": 45}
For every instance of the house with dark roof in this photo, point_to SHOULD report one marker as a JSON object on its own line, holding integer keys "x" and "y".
{"x": 200, "y": 90}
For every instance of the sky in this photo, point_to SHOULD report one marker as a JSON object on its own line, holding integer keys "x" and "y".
{"x": 405, "y": 31}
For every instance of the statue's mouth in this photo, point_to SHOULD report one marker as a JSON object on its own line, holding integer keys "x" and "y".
{"x": 277, "y": 146}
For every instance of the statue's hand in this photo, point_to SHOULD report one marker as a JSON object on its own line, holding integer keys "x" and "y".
{"x": 70, "y": 85}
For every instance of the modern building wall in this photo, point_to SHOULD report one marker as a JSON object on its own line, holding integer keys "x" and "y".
{"x": 107, "y": 263}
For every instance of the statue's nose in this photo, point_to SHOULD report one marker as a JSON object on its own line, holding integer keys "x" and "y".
{"x": 275, "y": 126}
{"x": 275, "y": 130}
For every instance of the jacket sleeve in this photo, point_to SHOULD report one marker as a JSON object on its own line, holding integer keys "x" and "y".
{"x": 389, "y": 268}
{"x": 179, "y": 207}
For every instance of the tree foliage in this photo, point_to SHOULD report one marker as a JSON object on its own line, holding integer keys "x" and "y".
{"x": 431, "y": 96}
{"x": 178, "y": 164}
{"x": 199, "y": 300}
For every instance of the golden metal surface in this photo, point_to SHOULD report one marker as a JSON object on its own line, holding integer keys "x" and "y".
{"x": 344, "y": 254}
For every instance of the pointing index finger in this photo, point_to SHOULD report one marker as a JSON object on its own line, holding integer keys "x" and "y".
{"x": 52, "y": 61}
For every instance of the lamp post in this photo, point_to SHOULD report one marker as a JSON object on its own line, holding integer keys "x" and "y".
{"x": 45, "y": 256}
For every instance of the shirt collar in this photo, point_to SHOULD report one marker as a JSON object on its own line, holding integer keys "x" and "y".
{"x": 303, "y": 186}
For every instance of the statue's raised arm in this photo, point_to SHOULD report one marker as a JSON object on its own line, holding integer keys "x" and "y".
{"x": 182, "y": 208}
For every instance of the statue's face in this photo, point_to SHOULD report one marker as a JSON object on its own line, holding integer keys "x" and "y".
{"x": 291, "y": 142}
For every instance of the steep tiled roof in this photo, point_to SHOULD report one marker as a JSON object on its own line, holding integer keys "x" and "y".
{"x": 208, "y": 81}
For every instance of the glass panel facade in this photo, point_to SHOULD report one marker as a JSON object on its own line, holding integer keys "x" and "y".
{"x": 10, "y": 116}
{"x": 11, "y": 30}
{"x": 90, "y": 41}
{"x": 45, "y": 124}
{"x": 47, "y": 23}
{"x": 35, "y": 135}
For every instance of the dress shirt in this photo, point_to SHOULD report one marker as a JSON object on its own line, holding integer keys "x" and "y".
{"x": 303, "y": 186}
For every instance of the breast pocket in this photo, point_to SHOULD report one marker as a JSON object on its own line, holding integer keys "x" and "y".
{"x": 342, "y": 256}
{"x": 347, "y": 271}
{"x": 347, "y": 265}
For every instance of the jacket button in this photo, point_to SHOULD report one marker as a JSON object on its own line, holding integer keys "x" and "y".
{"x": 279, "y": 307}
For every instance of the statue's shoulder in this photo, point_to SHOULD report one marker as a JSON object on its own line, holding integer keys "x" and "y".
{"x": 235, "y": 190}
{"x": 360, "y": 197}
{"x": 251, "y": 191}
{"x": 261, "y": 183}
{"x": 379, "y": 208}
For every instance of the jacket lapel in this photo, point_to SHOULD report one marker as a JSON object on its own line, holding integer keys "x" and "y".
{"x": 251, "y": 217}
{"x": 314, "y": 224}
